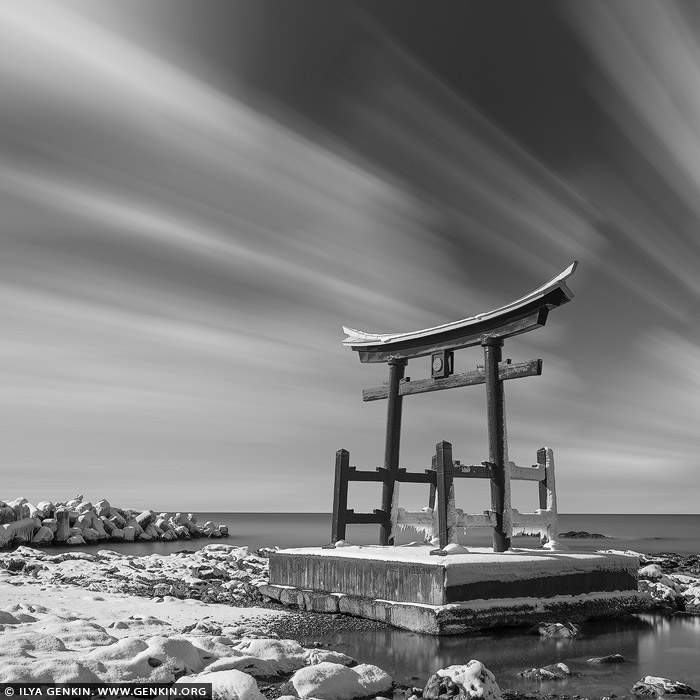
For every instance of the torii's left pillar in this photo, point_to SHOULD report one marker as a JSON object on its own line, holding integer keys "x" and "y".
{"x": 397, "y": 368}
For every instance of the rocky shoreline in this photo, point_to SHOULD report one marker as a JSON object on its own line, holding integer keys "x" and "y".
{"x": 78, "y": 522}
{"x": 199, "y": 616}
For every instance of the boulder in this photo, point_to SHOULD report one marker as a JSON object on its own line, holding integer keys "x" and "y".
{"x": 277, "y": 657}
{"x": 107, "y": 525}
{"x": 20, "y": 508}
{"x": 227, "y": 685}
{"x": 664, "y": 595}
{"x": 137, "y": 528}
{"x": 117, "y": 518}
{"x": 657, "y": 686}
{"x": 152, "y": 532}
{"x": 181, "y": 654}
{"x": 223, "y": 529}
{"x": 555, "y": 629}
{"x": 117, "y": 534}
{"x": 84, "y": 520}
{"x": 191, "y": 528}
{"x": 691, "y": 598}
{"x": 84, "y": 507}
{"x": 145, "y": 518}
{"x": 129, "y": 533}
{"x": 47, "y": 507}
{"x": 98, "y": 527}
{"x": 43, "y": 535}
{"x": 35, "y": 512}
{"x": 651, "y": 572}
{"x": 547, "y": 673}
{"x": 90, "y": 535}
{"x": 331, "y": 681}
{"x": 50, "y": 671}
{"x": 51, "y": 523}
{"x": 62, "y": 525}
{"x": 609, "y": 659}
{"x": 17, "y": 530}
{"x": 463, "y": 682}
{"x": 102, "y": 507}
{"x": 7, "y": 514}
{"x": 75, "y": 540}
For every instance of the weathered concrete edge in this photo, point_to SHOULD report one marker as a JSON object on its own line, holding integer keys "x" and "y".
{"x": 460, "y": 618}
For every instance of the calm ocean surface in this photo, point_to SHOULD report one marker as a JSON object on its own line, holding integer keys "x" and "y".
{"x": 641, "y": 533}
{"x": 653, "y": 644}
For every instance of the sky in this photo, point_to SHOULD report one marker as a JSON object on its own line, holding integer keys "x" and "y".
{"x": 196, "y": 197}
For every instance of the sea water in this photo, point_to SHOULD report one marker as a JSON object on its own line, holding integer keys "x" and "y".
{"x": 641, "y": 533}
{"x": 651, "y": 644}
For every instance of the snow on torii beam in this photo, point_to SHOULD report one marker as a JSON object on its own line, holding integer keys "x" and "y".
{"x": 522, "y": 315}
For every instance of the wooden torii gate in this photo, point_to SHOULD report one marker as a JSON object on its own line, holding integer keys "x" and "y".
{"x": 489, "y": 330}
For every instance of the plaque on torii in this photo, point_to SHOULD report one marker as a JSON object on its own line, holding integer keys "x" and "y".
{"x": 489, "y": 330}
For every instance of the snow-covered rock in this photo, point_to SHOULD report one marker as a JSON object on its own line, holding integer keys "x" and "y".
{"x": 547, "y": 673}
{"x": 466, "y": 682}
{"x": 46, "y": 671}
{"x": 331, "y": 681}
{"x": 657, "y": 686}
{"x": 263, "y": 658}
{"x": 102, "y": 507}
{"x": 609, "y": 659}
{"x": 659, "y": 592}
{"x": 227, "y": 685}
{"x": 555, "y": 629}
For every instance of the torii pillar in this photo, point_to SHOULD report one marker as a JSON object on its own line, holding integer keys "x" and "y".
{"x": 397, "y": 369}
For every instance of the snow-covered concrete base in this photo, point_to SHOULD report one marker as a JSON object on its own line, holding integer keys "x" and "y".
{"x": 409, "y": 588}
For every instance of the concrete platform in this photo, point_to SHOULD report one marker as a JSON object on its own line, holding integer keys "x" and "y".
{"x": 410, "y": 588}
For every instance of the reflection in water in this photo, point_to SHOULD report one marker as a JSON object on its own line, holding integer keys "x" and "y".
{"x": 651, "y": 645}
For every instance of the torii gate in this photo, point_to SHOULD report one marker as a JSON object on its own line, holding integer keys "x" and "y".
{"x": 489, "y": 330}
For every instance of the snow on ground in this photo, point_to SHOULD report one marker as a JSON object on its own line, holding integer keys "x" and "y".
{"x": 60, "y": 632}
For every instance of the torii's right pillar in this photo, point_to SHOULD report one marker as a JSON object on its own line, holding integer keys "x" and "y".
{"x": 495, "y": 402}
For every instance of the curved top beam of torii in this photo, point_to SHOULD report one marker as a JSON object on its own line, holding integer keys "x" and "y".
{"x": 519, "y": 316}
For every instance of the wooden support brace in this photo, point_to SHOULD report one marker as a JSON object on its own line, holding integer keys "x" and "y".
{"x": 471, "y": 471}
{"x": 530, "y": 368}
{"x": 416, "y": 477}
{"x": 354, "y": 475}
{"x": 533, "y": 473}
{"x": 378, "y": 517}
{"x": 433, "y": 486}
